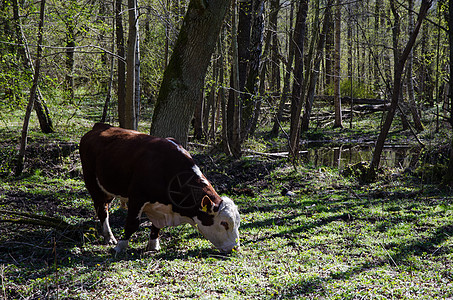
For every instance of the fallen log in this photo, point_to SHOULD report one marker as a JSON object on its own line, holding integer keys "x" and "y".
{"x": 347, "y": 99}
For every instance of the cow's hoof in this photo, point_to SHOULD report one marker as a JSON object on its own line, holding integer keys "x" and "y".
{"x": 110, "y": 241}
{"x": 153, "y": 245}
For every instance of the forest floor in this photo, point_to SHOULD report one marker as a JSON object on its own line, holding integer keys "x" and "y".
{"x": 335, "y": 238}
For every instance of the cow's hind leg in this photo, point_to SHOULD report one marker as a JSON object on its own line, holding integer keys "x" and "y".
{"x": 153, "y": 243}
{"x": 101, "y": 201}
{"x": 131, "y": 226}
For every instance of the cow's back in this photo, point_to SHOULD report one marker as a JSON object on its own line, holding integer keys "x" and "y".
{"x": 118, "y": 158}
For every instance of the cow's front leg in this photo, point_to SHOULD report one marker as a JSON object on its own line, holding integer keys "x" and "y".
{"x": 131, "y": 226}
{"x": 153, "y": 243}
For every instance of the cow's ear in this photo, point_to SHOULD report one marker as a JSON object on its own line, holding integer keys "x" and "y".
{"x": 207, "y": 204}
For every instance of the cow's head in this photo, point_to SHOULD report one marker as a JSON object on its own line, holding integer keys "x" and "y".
{"x": 223, "y": 230}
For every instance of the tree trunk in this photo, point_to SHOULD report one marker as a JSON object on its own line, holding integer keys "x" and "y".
{"x": 337, "y": 68}
{"x": 286, "y": 81}
{"x": 121, "y": 92}
{"x": 45, "y": 122}
{"x": 296, "y": 101}
{"x": 410, "y": 83}
{"x": 398, "y": 70}
{"x": 275, "y": 60}
{"x": 448, "y": 178}
{"x": 315, "y": 72}
{"x": 129, "y": 110}
{"x": 108, "y": 96}
{"x": 137, "y": 80}
{"x": 184, "y": 76}
{"x": 250, "y": 97}
{"x": 330, "y": 43}
{"x": 234, "y": 107}
{"x": 70, "y": 45}
{"x": 23, "y": 141}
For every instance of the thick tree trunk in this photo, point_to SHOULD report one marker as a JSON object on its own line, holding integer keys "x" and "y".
{"x": 23, "y": 141}
{"x": 399, "y": 66}
{"x": 337, "y": 68}
{"x": 184, "y": 76}
{"x": 296, "y": 101}
{"x": 250, "y": 96}
{"x": 121, "y": 92}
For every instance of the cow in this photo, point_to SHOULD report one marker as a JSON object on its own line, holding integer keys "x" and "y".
{"x": 155, "y": 176}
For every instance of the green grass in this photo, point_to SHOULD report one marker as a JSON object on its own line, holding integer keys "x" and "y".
{"x": 334, "y": 240}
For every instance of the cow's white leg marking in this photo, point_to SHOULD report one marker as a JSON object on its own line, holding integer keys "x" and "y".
{"x": 121, "y": 246}
{"x": 107, "y": 232}
{"x": 153, "y": 245}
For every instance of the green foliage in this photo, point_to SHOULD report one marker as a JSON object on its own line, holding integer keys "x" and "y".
{"x": 359, "y": 89}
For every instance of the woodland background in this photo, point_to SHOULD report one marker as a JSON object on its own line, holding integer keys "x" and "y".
{"x": 272, "y": 62}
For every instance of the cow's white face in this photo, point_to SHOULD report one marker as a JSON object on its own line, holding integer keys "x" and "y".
{"x": 224, "y": 233}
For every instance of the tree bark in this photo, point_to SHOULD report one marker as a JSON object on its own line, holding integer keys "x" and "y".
{"x": 275, "y": 60}
{"x": 137, "y": 71}
{"x": 70, "y": 45}
{"x": 448, "y": 178}
{"x": 329, "y": 53}
{"x": 337, "y": 68}
{"x": 129, "y": 109}
{"x": 398, "y": 70}
{"x": 184, "y": 76}
{"x": 296, "y": 101}
{"x": 23, "y": 141}
{"x": 234, "y": 107}
{"x": 121, "y": 92}
{"x": 250, "y": 97}
{"x": 410, "y": 83}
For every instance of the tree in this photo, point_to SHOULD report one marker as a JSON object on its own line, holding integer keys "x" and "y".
{"x": 296, "y": 101}
{"x": 31, "y": 101}
{"x": 315, "y": 71}
{"x": 410, "y": 81}
{"x": 45, "y": 122}
{"x": 398, "y": 70}
{"x": 337, "y": 67}
{"x": 286, "y": 81}
{"x": 249, "y": 98}
{"x": 121, "y": 90}
{"x": 448, "y": 178}
{"x": 130, "y": 121}
{"x": 184, "y": 76}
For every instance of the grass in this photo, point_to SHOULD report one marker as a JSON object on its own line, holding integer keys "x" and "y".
{"x": 335, "y": 239}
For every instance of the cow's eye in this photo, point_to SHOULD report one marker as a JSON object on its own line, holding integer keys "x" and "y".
{"x": 224, "y": 224}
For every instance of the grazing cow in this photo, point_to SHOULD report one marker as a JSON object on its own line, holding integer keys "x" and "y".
{"x": 155, "y": 176}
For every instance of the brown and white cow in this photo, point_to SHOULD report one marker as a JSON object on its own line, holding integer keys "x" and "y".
{"x": 155, "y": 176}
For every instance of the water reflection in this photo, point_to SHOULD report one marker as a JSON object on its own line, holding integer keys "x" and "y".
{"x": 339, "y": 157}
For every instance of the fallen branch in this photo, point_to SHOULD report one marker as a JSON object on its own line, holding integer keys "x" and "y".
{"x": 274, "y": 155}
